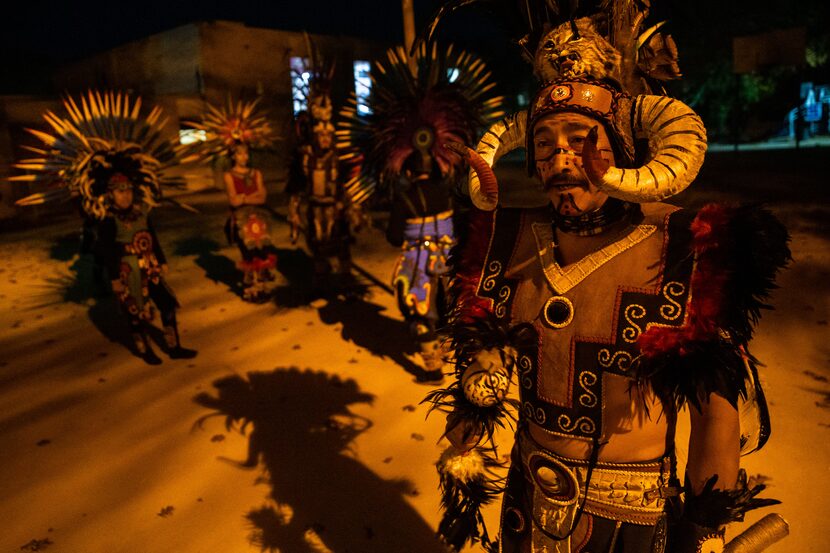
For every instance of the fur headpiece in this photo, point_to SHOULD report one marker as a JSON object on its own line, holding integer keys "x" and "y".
{"x": 565, "y": 39}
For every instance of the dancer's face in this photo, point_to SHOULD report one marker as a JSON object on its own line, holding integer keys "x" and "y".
{"x": 324, "y": 140}
{"x": 241, "y": 156}
{"x": 557, "y": 141}
{"x": 122, "y": 197}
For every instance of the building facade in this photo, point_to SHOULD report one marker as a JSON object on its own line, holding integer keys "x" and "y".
{"x": 185, "y": 67}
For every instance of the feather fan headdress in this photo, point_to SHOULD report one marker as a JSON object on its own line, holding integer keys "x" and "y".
{"x": 445, "y": 96}
{"x": 234, "y": 123}
{"x": 101, "y": 134}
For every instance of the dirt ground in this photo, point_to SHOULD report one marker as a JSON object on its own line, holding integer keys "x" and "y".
{"x": 298, "y": 427}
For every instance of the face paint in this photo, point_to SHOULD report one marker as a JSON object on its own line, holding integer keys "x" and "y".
{"x": 565, "y": 204}
{"x": 558, "y": 141}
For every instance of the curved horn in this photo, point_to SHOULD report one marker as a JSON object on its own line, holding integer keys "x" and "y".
{"x": 676, "y": 147}
{"x": 500, "y": 139}
{"x": 488, "y": 185}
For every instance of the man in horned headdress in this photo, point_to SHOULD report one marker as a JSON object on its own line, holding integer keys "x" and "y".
{"x": 612, "y": 311}
{"x": 117, "y": 163}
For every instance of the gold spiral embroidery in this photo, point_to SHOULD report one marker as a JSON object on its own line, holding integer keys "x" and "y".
{"x": 631, "y": 333}
{"x": 620, "y": 359}
{"x": 501, "y": 307}
{"x": 490, "y": 281}
{"x": 525, "y": 364}
{"x": 527, "y": 383}
{"x": 672, "y": 310}
{"x": 537, "y": 414}
{"x": 585, "y": 424}
{"x": 586, "y": 380}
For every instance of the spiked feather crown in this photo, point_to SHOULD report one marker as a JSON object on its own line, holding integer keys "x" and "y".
{"x": 102, "y": 133}
{"x": 440, "y": 96}
{"x": 234, "y": 123}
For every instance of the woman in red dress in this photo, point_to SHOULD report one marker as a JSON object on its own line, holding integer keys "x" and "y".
{"x": 247, "y": 224}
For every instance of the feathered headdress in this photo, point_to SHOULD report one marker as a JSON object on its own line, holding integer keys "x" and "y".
{"x": 101, "y": 134}
{"x": 316, "y": 78}
{"x": 443, "y": 97}
{"x": 240, "y": 122}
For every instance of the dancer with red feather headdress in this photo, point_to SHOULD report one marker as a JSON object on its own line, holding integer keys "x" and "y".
{"x": 420, "y": 108}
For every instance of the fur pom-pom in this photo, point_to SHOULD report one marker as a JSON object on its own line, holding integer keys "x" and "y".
{"x": 461, "y": 466}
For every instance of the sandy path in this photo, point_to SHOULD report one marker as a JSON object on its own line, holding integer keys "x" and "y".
{"x": 102, "y": 453}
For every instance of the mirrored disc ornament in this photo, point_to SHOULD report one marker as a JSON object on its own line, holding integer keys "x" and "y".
{"x": 558, "y": 312}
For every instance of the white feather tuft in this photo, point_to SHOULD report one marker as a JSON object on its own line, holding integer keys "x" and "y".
{"x": 463, "y": 466}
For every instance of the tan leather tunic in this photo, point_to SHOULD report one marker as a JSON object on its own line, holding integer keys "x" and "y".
{"x": 588, "y": 315}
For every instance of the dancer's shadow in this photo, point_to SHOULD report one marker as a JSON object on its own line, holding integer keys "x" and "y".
{"x": 82, "y": 281}
{"x": 65, "y": 247}
{"x": 362, "y": 323}
{"x": 301, "y": 287}
{"x": 86, "y": 282}
{"x": 111, "y": 322}
{"x": 300, "y": 432}
{"x": 297, "y": 268}
{"x": 217, "y": 267}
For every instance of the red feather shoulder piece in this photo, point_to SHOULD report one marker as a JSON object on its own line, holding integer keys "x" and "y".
{"x": 738, "y": 250}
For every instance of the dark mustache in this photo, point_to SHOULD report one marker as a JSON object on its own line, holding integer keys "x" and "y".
{"x": 564, "y": 178}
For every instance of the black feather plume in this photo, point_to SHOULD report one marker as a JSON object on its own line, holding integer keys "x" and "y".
{"x": 462, "y": 498}
{"x": 713, "y": 508}
{"x": 758, "y": 247}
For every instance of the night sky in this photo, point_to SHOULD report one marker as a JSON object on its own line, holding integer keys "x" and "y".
{"x": 64, "y": 30}
{"x": 36, "y": 35}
